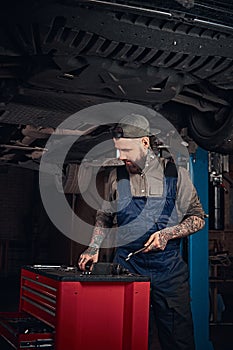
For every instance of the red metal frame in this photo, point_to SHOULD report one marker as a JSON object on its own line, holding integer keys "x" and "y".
{"x": 112, "y": 315}
{"x": 38, "y": 296}
{"x": 87, "y": 314}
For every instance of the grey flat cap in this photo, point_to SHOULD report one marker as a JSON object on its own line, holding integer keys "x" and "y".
{"x": 132, "y": 126}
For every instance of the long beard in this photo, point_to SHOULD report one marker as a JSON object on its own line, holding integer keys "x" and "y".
{"x": 133, "y": 168}
{"x": 137, "y": 166}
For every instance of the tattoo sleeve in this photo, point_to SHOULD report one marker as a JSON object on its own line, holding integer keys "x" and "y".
{"x": 185, "y": 228}
{"x": 103, "y": 223}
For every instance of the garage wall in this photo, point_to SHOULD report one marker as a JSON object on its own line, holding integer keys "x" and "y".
{"x": 223, "y": 239}
{"x": 27, "y": 236}
{"x": 16, "y": 202}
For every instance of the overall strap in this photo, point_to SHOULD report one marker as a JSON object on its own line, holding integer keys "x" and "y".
{"x": 122, "y": 173}
{"x": 170, "y": 169}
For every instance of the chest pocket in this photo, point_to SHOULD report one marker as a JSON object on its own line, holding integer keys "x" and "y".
{"x": 156, "y": 188}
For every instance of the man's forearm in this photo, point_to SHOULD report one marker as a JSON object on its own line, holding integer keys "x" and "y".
{"x": 185, "y": 228}
{"x": 97, "y": 237}
{"x": 103, "y": 222}
{"x": 96, "y": 240}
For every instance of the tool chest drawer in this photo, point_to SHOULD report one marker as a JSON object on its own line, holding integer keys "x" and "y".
{"x": 59, "y": 306}
{"x": 23, "y": 331}
{"x": 115, "y": 308}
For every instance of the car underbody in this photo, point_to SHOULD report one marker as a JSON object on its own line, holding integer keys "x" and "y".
{"x": 58, "y": 57}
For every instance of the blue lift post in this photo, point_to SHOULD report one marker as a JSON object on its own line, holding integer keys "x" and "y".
{"x": 198, "y": 254}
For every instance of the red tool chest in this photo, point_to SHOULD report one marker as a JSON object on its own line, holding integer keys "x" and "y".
{"x": 87, "y": 311}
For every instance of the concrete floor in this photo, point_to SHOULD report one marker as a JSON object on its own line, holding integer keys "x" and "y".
{"x": 221, "y": 334}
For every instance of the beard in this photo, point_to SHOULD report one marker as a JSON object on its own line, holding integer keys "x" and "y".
{"x": 132, "y": 167}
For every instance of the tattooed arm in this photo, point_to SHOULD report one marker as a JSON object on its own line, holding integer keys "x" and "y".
{"x": 190, "y": 212}
{"x": 159, "y": 239}
{"x": 91, "y": 254}
{"x": 104, "y": 221}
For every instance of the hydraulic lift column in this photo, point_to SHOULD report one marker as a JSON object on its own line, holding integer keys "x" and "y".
{"x": 199, "y": 257}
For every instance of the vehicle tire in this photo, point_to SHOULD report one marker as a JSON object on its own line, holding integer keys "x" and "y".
{"x": 213, "y": 132}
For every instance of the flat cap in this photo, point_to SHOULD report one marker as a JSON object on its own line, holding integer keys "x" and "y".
{"x": 132, "y": 126}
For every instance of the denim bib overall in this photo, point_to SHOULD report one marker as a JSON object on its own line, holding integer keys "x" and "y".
{"x": 138, "y": 218}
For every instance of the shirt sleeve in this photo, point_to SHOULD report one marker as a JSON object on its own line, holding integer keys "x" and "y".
{"x": 188, "y": 203}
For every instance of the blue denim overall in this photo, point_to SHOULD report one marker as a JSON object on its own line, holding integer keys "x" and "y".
{"x": 138, "y": 218}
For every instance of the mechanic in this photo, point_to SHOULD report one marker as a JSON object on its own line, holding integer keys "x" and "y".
{"x": 157, "y": 205}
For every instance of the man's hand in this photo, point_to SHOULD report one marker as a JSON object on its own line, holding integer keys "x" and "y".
{"x": 157, "y": 241}
{"x": 89, "y": 255}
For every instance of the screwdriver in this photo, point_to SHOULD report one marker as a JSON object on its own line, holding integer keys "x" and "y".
{"x": 129, "y": 256}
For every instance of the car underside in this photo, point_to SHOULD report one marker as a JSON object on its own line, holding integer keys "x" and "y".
{"x": 59, "y": 57}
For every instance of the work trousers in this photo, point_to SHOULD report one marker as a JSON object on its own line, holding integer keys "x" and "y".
{"x": 173, "y": 320}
